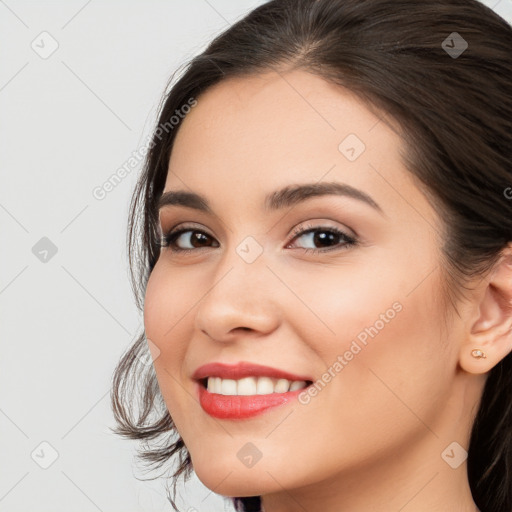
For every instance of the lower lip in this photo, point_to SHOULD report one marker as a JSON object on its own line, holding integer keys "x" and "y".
{"x": 241, "y": 406}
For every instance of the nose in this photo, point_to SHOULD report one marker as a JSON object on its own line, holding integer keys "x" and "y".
{"x": 242, "y": 297}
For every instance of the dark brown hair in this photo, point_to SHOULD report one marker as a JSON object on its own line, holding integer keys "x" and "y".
{"x": 454, "y": 114}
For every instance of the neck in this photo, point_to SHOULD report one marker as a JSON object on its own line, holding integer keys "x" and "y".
{"x": 418, "y": 479}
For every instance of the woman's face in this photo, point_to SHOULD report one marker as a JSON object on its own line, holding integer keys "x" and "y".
{"x": 364, "y": 319}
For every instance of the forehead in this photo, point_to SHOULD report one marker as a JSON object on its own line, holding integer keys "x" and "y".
{"x": 280, "y": 113}
{"x": 259, "y": 133}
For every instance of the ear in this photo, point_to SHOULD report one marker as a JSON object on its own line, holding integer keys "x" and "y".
{"x": 491, "y": 328}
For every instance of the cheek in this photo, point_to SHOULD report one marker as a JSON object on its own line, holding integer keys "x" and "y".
{"x": 165, "y": 306}
{"x": 396, "y": 365}
{"x": 166, "y": 325}
{"x": 385, "y": 327}
{"x": 155, "y": 302}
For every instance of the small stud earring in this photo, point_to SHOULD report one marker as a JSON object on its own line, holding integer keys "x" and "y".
{"x": 478, "y": 353}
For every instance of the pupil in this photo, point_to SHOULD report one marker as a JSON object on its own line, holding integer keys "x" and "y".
{"x": 321, "y": 238}
{"x": 198, "y": 237}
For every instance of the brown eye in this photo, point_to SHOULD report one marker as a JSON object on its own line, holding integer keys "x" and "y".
{"x": 196, "y": 238}
{"x": 323, "y": 235}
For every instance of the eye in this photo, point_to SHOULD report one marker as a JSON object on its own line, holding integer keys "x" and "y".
{"x": 196, "y": 236}
{"x": 328, "y": 237}
{"x": 322, "y": 235}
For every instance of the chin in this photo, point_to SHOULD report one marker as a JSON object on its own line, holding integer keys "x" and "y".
{"x": 230, "y": 480}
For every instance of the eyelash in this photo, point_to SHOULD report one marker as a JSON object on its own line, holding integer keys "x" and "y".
{"x": 169, "y": 238}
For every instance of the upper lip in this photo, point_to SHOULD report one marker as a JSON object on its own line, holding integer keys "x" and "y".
{"x": 244, "y": 369}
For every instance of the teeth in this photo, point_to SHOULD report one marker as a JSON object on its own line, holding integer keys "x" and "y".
{"x": 298, "y": 384}
{"x": 252, "y": 386}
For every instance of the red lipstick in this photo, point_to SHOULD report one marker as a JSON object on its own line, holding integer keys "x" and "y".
{"x": 243, "y": 369}
{"x": 242, "y": 406}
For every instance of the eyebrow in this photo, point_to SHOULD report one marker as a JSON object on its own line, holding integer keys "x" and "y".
{"x": 279, "y": 199}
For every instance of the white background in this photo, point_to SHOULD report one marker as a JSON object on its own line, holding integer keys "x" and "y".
{"x": 68, "y": 122}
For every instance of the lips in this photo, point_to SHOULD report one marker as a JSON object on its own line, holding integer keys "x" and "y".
{"x": 244, "y": 369}
{"x": 236, "y": 407}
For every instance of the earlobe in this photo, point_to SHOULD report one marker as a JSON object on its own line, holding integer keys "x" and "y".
{"x": 475, "y": 360}
{"x": 490, "y": 336}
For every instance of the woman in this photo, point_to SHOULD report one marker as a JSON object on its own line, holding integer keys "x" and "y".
{"x": 323, "y": 233}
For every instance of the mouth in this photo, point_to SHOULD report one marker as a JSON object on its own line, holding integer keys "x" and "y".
{"x": 252, "y": 385}
{"x": 231, "y": 404}
{"x": 243, "y": 390}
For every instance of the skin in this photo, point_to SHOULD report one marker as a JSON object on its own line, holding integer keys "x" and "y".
{"x": 372, "y": 438}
